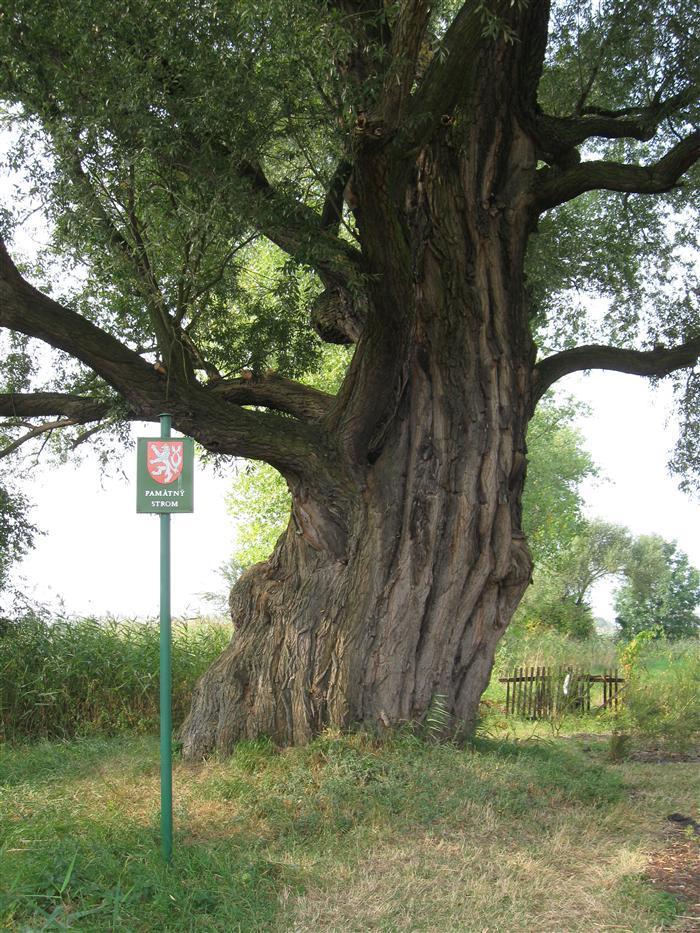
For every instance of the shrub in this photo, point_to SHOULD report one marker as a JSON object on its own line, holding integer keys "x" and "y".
{"x": 67, "y": 677}
{"x": 665, "y": 707}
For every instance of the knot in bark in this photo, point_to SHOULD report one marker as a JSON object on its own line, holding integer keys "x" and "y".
{"x": 337, "y": 316}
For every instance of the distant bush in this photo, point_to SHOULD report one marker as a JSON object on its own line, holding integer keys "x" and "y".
{"x": 67, "y": 677}
{"x": 662, "y": 701}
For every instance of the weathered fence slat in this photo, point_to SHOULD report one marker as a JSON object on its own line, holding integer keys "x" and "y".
{"x": 537, "y": 692}
{"x": 521, "y": 691}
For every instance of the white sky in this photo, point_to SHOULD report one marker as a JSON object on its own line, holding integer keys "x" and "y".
{"x": 630, "y": 433}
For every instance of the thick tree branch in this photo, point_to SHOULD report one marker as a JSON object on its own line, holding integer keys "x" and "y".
{"x": 557, "y": 135}
{"x": 557, "y": 187}
{"x": 459, "y": 63}
{"x": 298, "y": 230}
{"x": 653, "y": 363}
{"x": 340, "y": 262}
{"x": 284, "y": 442}
{"x": 450, "y": 74}
{"x": 292, "y": 226}
{"x": 276, "y": 392}
{"x": 25, "y": 309}
{"x": 79, "y": 408}
{"x": 332, "y": 212}
{"x": 404, "y": 48}
{"x": 531, "y": 45}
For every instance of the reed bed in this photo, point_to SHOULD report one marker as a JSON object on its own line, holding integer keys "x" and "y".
{"x": 61, "y": 678}
{"x": 551, "y": 648}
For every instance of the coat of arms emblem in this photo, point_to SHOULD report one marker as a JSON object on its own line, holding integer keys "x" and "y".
{"x": 164, "y": 461}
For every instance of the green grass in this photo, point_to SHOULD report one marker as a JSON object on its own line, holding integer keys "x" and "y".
{"x": 595, "y": 654}
{"x": 529, "y": 828}
{"x": 80, "y": 848}
{"x": 662, "y": 700}
{"x": 347, "y": 833}
{"x": 659, "y": 656}
{"x": 65, "y": 677}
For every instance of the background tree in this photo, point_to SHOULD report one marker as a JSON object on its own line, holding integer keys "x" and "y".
{"x": 661, "y": 591}
{"x": 259, "y": 502}
{"x": 558, "y": 465}
{"x": 17, "y": 533}
{"x": 560, "y": 597}
{"x": 495, "y": 160}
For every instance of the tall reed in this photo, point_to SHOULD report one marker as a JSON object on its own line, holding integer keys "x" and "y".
{"x": 67, "y": 677}
{"x": 549, "y": 647}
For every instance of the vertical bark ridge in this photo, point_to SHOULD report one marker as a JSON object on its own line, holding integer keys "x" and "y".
{"x": 432, "y": 560}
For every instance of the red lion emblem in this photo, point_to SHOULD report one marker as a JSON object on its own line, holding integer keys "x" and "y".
{"x": 164, "y": 461}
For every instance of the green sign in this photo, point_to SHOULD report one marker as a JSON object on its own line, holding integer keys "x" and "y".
{"x": 164, "y": 472}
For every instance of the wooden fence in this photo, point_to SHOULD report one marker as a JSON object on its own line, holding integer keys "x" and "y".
{"x": 543, "y": 692}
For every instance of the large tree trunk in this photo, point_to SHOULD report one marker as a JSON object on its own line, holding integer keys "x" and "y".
{"x": 393, "y": 588}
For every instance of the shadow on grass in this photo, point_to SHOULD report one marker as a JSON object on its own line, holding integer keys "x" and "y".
{"x": 36, "y": 763}
{"x": 558, "y": 768}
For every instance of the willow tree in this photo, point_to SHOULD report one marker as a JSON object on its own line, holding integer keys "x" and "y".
{"x": 445, "y": 182}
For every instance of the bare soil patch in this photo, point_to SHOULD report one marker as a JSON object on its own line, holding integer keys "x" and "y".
{"x": 676, "y": 870}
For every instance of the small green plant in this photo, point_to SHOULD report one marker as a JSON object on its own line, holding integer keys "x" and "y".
{"x": 631, "y": 656}
{"x": 661, "y": 696}
{"x": 436, "y": 724}
{"x": 619, "y": 742}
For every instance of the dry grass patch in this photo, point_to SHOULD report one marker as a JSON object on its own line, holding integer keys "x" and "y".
{"x": 554, "y": 865}
{"x": 476, "y": 881}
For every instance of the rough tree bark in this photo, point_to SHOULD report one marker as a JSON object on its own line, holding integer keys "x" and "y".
{"x": 402, "y": 597}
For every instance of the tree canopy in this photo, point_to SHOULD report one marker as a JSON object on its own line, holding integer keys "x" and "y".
{"x": 166, "y": 142}
{"x": 561, "y": 594}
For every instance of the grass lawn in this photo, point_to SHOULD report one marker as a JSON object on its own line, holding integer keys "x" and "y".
{"x": 535, "y": 833}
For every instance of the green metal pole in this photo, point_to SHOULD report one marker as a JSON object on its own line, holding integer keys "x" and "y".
{"x": 166, "y": 722}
